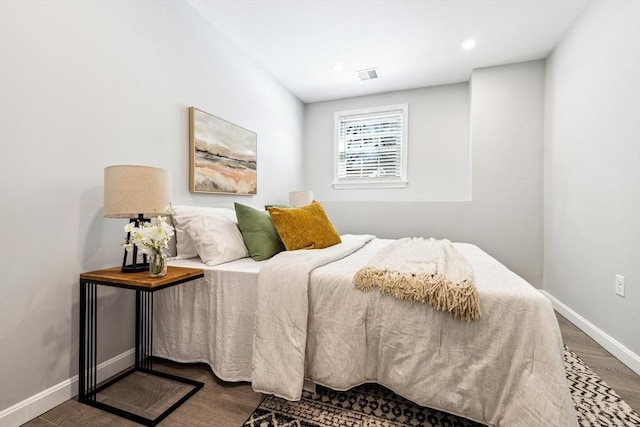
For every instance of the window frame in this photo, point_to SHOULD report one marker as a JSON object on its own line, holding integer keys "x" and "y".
{"x": 374, "y": 182}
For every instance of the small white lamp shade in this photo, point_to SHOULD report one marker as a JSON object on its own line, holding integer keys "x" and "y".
{"x": 131, "y": 190}
{"x": 300, "y": 198}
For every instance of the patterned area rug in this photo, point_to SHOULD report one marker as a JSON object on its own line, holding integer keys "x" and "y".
{"x": 373, "y": 405}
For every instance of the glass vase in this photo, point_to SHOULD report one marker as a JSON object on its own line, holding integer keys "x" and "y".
{"x": 157, "y": 264}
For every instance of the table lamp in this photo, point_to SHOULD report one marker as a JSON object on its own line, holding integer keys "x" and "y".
{"x": 133, "y": 192}
{"x": 300, "y": 198}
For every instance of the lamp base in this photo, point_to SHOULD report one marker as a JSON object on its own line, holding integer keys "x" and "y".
{"x": 135, "y": 266}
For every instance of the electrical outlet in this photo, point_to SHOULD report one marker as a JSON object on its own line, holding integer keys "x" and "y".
{"x": 620, "y": 285}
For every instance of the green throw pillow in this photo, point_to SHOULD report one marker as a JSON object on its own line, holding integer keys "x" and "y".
{"x": 258, "y": 232}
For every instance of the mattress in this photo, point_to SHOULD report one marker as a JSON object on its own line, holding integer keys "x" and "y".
{"x": 210, "y": 320}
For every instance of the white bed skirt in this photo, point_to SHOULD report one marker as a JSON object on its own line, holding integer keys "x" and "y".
{"x": 209, "y": 320}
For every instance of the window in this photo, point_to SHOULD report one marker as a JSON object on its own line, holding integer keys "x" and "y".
{"x": 371, "y": 148}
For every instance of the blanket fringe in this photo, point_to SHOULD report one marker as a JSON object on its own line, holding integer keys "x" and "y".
{"x": 460, "y": 299}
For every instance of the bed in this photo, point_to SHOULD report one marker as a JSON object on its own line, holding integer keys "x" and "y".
{"x": 298, "y": 316}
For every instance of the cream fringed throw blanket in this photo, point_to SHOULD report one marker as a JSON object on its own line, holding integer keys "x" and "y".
{"x": 424, "y": 270}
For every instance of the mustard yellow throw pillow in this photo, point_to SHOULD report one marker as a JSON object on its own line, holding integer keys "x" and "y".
{"x": 307, "y": 227}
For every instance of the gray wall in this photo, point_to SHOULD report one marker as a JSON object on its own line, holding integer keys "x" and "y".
{"x": 85, "y": 85}
{"x": 438, "y": 166}
{"x": 592, "y": 169}
{"x": 504, "y": 215}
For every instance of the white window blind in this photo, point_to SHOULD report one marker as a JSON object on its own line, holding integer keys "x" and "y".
{"x": 371, "y": 147}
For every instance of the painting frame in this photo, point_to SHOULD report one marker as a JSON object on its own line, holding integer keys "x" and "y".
{"x": 223, "y": 157}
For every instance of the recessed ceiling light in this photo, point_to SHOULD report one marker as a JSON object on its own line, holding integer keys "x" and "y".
{"x": 337, "y": 67}
{"x": 469, "y": 44}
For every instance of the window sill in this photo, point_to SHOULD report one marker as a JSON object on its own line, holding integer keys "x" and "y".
{"x": 369, "y": 184}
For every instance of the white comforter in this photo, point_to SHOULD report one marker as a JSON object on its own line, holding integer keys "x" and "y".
{"x": 502, "y": 370}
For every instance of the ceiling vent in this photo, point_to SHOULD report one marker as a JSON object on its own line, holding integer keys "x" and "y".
{"x": 368, "y": 74}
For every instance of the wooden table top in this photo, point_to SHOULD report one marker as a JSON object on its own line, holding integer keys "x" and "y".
{"x": 141, "y": 279}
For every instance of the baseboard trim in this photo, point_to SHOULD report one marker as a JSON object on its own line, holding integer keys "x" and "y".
{"x": 40, "y": 403}
{"x": 609, "y": 343}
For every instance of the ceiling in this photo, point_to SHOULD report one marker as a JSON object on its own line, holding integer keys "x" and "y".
{"x": 413, "y": 43}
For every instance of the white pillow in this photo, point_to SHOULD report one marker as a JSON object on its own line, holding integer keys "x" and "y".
{"x": 217, "y": 239}
{"x": 183, "y": 215}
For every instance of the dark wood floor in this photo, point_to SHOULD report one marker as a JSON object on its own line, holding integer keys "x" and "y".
{"x": 229, "y": 404}
{"x": 619, "y": 377}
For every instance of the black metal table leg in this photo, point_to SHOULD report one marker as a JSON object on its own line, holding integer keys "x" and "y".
{"x": 144, "y": 330}
{"x": 87, "y": 375}
{"x": 82, "y": 392}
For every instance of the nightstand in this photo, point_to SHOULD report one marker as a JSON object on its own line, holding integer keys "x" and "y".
{"x": 144, "y": 287}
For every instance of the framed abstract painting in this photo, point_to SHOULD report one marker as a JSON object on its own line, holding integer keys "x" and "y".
{"x": 223, "y": 156}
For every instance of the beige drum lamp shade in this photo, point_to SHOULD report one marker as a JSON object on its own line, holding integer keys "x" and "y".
{"x": 131, "y": 190}
{"x": 300, "y": 198}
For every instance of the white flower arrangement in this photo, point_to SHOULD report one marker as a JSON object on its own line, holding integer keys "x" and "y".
{"x": 149, "y": 238}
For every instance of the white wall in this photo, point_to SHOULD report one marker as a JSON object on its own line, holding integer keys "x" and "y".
{"x": 438, "y": 166}
{"x": 507, "y": 128}
{"x": 592, "y": 170}
{"x": 86, "y": 85}
{"x": 504, "y": 215}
